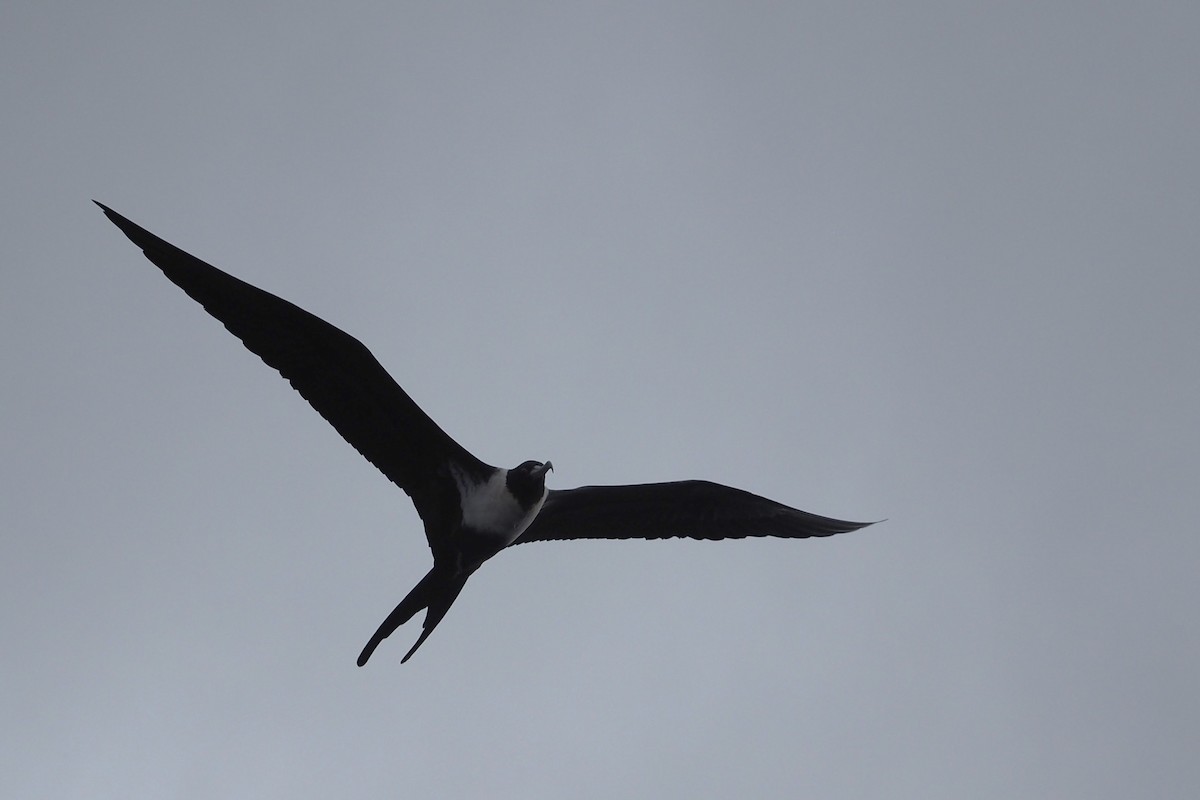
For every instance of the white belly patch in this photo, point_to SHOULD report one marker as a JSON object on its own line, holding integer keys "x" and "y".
{"x": 489, "y": 508}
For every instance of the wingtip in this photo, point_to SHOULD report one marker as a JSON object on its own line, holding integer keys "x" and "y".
{"x": 114, "y": 217}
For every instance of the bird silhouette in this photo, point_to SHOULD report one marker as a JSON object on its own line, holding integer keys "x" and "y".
{"x": 470, "y": 510}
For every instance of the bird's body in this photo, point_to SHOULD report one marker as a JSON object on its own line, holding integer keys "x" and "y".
{"x": 494, "y": 511}
{"x": 471, "y": 510}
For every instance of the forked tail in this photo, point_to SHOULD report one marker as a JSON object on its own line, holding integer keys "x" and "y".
{"x": 437, "y": 591}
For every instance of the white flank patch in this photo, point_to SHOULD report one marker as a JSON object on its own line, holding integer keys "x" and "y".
{"x": 489, "y": 507}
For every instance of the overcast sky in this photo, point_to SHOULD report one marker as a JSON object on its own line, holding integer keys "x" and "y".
{"x": 930, "y": 262}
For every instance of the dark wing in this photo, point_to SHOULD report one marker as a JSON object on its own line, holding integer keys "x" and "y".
{"x": 331, "y": 369}
{"x": 696, "y": 509}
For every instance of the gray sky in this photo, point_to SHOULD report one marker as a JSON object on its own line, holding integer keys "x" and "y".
{"x": 934, "y": 262}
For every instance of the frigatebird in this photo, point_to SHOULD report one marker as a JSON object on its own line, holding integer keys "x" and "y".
{"x": 471, "y": 510}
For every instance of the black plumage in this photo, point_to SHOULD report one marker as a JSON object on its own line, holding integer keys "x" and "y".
{"x": 470, "y": 510}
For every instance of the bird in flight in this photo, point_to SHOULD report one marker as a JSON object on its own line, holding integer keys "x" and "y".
{"x": 471, "y": 510}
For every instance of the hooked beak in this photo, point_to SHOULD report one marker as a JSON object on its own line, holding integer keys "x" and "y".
{"x": 543, "y": 469}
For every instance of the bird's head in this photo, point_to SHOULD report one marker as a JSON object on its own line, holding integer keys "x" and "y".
{"x": 527, "y": 481}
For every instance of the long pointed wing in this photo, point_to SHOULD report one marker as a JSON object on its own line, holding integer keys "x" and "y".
{"x": 695, "y": 509}
{"x": 332, "y": 370}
